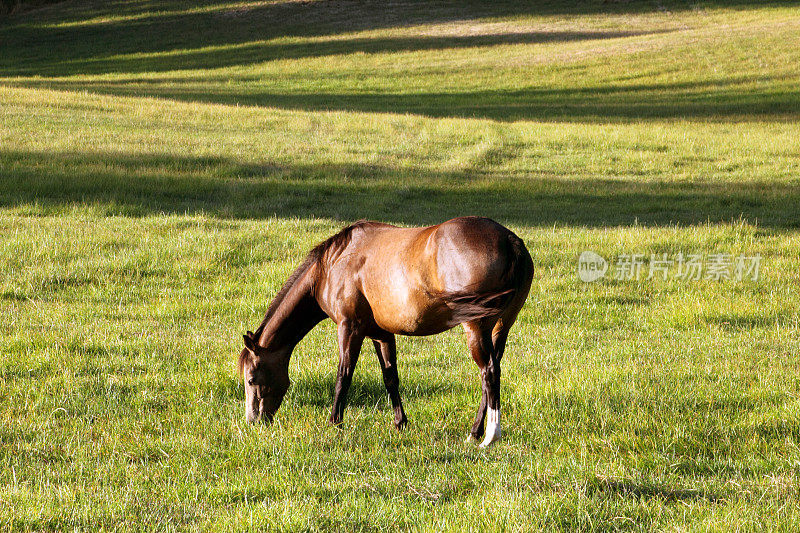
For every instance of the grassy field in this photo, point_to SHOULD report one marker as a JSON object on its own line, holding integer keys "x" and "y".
{"x": 165, "y": 165}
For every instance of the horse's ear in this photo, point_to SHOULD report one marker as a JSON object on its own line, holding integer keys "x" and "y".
{"x": 249, "y": 341}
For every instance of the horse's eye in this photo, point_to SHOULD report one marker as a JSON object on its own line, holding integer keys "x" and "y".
{"x": 251, "y": 381}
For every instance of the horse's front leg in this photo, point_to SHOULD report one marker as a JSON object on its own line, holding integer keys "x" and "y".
{"x": 387, "y": 355}
{"x": 350, "y": 340}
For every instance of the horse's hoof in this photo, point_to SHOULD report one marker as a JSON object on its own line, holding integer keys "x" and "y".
{"x": 492, "y": 435}
{"x": 400, "y": 425}
{"x": 470, "y": 439}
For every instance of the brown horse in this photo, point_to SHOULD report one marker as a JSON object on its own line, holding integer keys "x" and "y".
{"x": 376, "y": 280}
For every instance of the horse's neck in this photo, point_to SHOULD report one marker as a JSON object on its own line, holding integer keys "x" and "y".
{"x": 294, "y": 317}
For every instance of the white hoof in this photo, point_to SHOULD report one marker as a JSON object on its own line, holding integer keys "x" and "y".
{"x": 493, "y": 431}
{"x": 470, "y": 439}
{"x": 492, "y": 436}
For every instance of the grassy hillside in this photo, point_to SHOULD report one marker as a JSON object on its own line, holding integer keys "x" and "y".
{"x": 165, "y": 165}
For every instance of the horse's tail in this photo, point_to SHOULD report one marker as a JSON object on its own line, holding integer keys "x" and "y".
{"x": 467, "y": 306}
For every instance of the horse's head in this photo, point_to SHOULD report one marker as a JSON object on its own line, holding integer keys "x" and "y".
{"x": 266, "y": 380}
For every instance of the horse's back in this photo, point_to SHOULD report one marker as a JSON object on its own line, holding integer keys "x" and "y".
{"x": 461, "y": 254}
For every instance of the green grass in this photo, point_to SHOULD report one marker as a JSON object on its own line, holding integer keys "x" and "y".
{"x": 165, "y": 165}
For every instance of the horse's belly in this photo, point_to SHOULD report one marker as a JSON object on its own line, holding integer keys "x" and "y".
{"x": 408, "y": 312}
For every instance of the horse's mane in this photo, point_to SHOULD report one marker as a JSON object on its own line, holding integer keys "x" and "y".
{"x": 331, "y": 246}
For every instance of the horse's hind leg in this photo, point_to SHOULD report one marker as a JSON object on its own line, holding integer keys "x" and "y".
{"x": 476, "y": 433}
{"x": 387, "y": 355}
{"x": 479, "y": 338}
{"x": 477, "y": 349}
{"x": 499, "y": 338}
{"x": 504, "y": 323}
{"x": 487, "y": 343}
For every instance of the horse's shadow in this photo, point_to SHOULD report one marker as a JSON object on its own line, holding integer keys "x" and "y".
{"x": 365, "y": 392}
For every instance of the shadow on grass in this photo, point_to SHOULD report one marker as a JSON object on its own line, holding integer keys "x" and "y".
{"x": 81, "y": 38}
{"x": 152, "y": 37}
{"x": 707, "y": 100}
{"x": 366, "y": 391}
{"x": 55, "y": 41}
{"x": 740, "y": 321}
{"x": 356, "y": 14}
{"x": 637, "y": 490}
{"x": 142, "y": 185}
{"x": 68, "y": 61}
